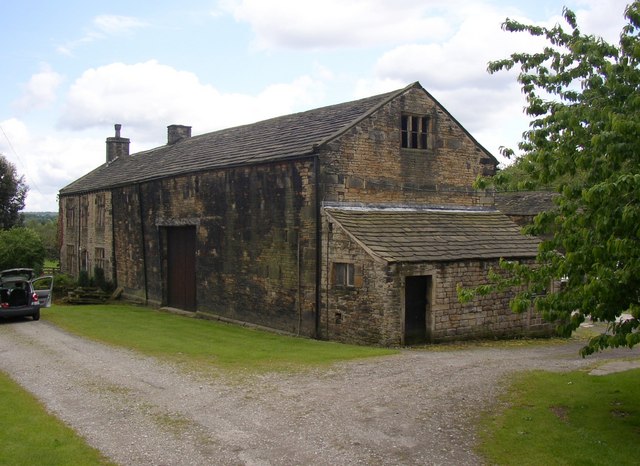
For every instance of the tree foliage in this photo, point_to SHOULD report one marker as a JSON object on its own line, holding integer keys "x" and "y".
{"x": 21, "y": 248}
{"x": 47, "y": 229}
{"x": 13, "y": 192}
{"x": 583, "y": 97}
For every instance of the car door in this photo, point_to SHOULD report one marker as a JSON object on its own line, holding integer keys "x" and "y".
{"x": 43, "y": 287}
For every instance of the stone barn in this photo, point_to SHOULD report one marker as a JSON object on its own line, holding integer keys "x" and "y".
{"x": 352, "y": 222}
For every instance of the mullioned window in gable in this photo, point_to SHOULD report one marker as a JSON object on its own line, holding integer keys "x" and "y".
{"x": 415, "y": 131}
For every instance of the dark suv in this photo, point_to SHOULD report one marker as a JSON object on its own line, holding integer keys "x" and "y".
{"x": 21, "y": 295}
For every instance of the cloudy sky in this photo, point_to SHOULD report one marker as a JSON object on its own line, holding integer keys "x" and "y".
{"x": 73, "y": 68}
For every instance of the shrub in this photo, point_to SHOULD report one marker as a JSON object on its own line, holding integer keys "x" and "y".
{"x": 98, "y": 278}
{"x": 62, "y": 284}
{"x": 83, "y": 279}
{"x": 21, "y": 247}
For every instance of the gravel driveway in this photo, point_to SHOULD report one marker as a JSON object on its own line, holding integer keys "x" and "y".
{"x": 418, "y": 407}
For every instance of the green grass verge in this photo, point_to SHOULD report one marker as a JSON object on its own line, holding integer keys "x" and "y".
{"x": 201, "y": 343}
{"x": 565, "y": 419}
{"x": 29, "y": 435}
{"x": 52, "y": 264}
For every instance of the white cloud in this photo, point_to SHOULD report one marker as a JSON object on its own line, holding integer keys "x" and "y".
{"x": 603, "y": 18}
{"x": 114, "y": 25}
{"x": 149, "y": 96}
{"x": 40, "y": 91}
{"x": 460, "y": 61}
{"x": 47, "y": 163}
{"x": 145, "y": 98}
{"x": 336, "y": 23}
{"x": 368, "y": 87}
{"x": 103, "y": 27}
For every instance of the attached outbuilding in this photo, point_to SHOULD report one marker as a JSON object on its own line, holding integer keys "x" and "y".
{"x": 413, "y": 260}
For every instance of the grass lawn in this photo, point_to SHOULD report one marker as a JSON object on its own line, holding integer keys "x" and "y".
{"x": 52, "y": 264}
{"x": 201, "y": 343}
{"x": 565, "y": 419}
{"x": 30, "y": 436}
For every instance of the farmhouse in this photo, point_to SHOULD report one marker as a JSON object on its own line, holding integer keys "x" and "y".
{"x": 353, "y": 222}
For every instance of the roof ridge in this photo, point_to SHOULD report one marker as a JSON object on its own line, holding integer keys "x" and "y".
{"x": 392, "y": 95}
{"x": 282, "y": 137}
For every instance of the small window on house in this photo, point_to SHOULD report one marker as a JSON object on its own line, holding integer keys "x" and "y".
{"x": 100, "y": 210}
{"x": 343, "y": 274}
{"x": 84, "y": 260}
{"x": 71, "y": 258}
{"x": 100, "y": 260}
{"x": 414, "y": 132}
{"x": 84, "y": 212}
{"x": 70, "y": 213}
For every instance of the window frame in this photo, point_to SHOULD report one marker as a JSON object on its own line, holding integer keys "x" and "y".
{"x": 70, "y": 213}
{"x": 84, "y": 213}
{"x": 344, "y": 274}
{"x": 100, "y": 258}
{"x": 71, "y": 257}
{"x": 100, "y": 210}
{"x": 415, "y": 131}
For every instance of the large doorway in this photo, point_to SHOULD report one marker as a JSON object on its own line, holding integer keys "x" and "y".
{"x": 181, "y": 268}
{"x": 417, "y": 309}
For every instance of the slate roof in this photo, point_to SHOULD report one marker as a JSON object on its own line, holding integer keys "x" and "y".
{"x": 278, "y": 138}
{"x": 525, "y": 203}
{"x": 434, "y": 235}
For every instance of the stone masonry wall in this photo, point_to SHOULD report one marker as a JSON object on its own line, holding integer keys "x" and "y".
{"x": 129, "y": 252}
{"x": 365, "y": 312}
{"x": 89, "y": 230}
{"x": 255, "y": 242}
{"x": 368, "y": 165}
{"x": 485, "y": 317}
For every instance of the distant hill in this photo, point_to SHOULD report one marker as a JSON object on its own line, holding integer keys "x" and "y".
{"x": 41, "y": 216}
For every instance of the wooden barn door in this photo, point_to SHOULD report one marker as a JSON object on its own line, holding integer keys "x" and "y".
{"x": 417, "y": 309}
{"x": 181, "y": 268}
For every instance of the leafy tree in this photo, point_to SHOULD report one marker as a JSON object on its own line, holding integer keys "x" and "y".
{"x": 13, "y": 192}
{"x": 583, "y": 95}
{"x": 522, "y": 176}
{"x": 21, "y": 247}
{"x": 47, "y": 229}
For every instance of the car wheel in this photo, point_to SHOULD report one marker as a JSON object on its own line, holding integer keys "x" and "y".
{"x": 36, "y": 316}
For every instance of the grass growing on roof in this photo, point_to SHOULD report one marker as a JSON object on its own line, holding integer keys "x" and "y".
{"x": 565, "y": 419}
{"x": 29, "y": 435}
{"x": 201, "y": 342}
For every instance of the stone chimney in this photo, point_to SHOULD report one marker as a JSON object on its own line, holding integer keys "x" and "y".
{"x": 176, "y": 133}
{"x": 117, "y": 146}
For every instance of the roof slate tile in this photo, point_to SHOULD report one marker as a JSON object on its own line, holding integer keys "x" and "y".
{"x": 427, "y": 235}
{"x": 274, "y": 139}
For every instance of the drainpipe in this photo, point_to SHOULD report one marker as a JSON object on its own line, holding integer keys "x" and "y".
{"x": 144, "y": 247}
{"x": 114, "y": 262}
{"x": 316, "y": 175}
{"x": 78, "y": 237}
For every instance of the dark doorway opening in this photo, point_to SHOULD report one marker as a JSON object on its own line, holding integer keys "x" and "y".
{"x": 181, "y": 268}
{"x": 417, "y": 309}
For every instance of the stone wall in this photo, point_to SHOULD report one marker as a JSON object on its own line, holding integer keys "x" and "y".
{"x": 367, "y": 164}
{"x": 255, "y": 235}
{"x": 130, "y": 252}
{"x": 485, "y": 317}
{"x": 362, "y": 313}
{"x": 85, "y": 227}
